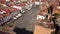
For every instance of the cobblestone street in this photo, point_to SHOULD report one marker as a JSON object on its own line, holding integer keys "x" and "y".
{"x": 28, "y": 19}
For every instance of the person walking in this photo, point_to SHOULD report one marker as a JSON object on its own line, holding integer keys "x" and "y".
{"x": 50, "y": 10}
{"x": 56, "y": 24}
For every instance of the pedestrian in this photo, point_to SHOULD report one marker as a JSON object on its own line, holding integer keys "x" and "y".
{"x": 56, "y": 25}
{"x": 50, "y": 9}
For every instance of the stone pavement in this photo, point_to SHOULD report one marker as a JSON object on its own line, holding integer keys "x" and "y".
{"x": 27, "y": 20}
